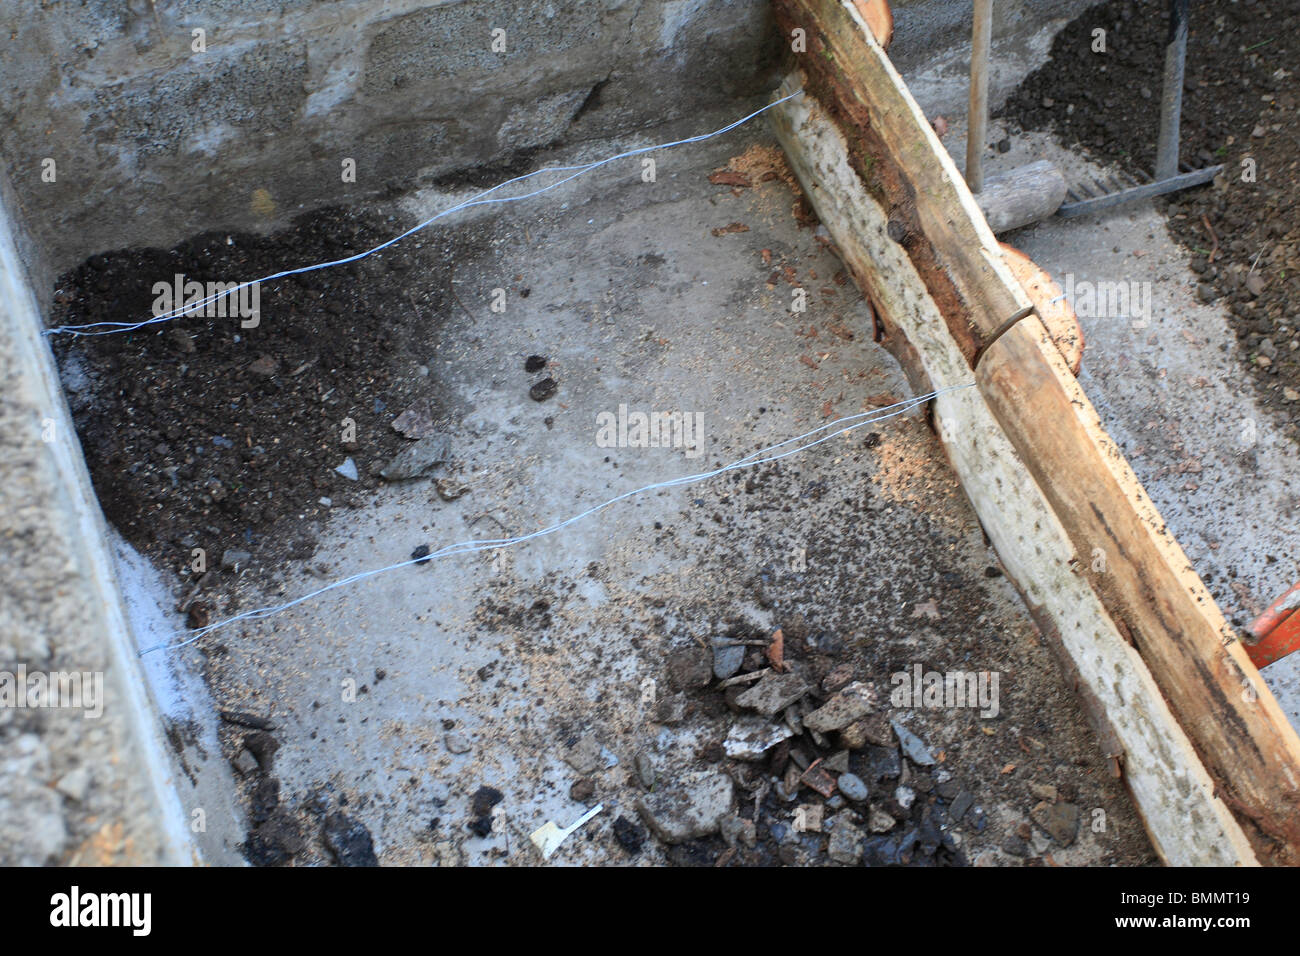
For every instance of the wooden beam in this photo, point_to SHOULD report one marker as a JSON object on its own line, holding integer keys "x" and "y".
{"x": 1118, "y": 545}
{"x": 1029, "y": 193}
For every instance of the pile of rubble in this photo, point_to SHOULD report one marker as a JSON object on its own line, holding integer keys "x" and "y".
{"x": 809, "y": 768}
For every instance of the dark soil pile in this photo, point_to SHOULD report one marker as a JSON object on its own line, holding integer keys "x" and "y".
{"x": 1241, "y": 107}
{"x": 201, "y": 433}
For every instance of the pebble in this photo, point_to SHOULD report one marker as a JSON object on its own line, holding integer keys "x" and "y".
{"x": 727, "y": 658}
{"x": 905, "y": 796}
{"x": 645, "y": 770}
{"x": 913, "y": 746}
{"x": 629, "y": 836}
{"x": 543, "y": 390}
{"x": 735, "y": 829}
{"x": 414, "y": 460}
{"x": 457, "y": 743}
{"x": 582, "y": 790}
{"x": 960, "y": 805}
{"x": 348, "y": 470}
{"x": 349, "y": 841}
{"x": 690, "y": 668}
{"x": 853, "y": 787}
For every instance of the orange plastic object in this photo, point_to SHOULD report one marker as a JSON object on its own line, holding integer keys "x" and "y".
{"x": 1276, "y": 632}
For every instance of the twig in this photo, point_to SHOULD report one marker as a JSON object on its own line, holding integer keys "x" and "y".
{"x": 744, "y": 678}
{"x": 1205, "y": 220}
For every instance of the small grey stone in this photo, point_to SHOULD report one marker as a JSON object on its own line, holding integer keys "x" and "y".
{"x": 913, "y": 746}
{"x": 245, "y": 763}
{"x": 736, "y": 829}
{"x": 727, "y": 658}
{"x": 690, "y": 806}
{"x": 689, "y": 668}
{"x": 960, "y": 805}
{"x": 773, "y": 693}
{"x": 837, "y": 762}
{"x": 348, "y": 470}
{"x": 850, "y": 704}
{"x": 948, "y": 789}
{"x": 75, "y": 785}
{"x": 905, "y": 796}
{"x": 457, "y": 743}
{"x": 414, "y": 460}
{"x": 1015, "y": 846}
{"x": 233, "y": 559}
{"x": 845, "y": 844}
{"x": 645, "y": 770}
{"x": 853, "y": 787}
{"x": 450, "y": 489}
{"x": 751, "y": 737}
{"x": 878, "y": 821}
{"x": 585, "y": 756}
{"x": 1060, "y": 820}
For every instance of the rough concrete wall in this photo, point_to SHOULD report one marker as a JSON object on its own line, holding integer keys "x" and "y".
{"x": 154, "y": 141}
{"x": 86, "y": 782}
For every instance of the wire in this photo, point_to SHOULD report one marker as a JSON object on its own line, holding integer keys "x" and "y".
{"x": 761, "y": 457}
{"x": 481, "y": 199}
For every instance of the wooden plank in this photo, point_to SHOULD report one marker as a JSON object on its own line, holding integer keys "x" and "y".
{"x": 1173, "y": 793}
{"x": 977, "y": 114}
{"x": 1120, "y": 546}
{"x": 1029, "y": 193}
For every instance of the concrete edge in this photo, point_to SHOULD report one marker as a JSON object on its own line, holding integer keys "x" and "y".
{"x": 81, "y": 526}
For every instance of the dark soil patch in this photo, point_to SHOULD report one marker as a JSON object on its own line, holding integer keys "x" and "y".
{"x": 200, "y": 433}
{"x": 1241, "y": 102}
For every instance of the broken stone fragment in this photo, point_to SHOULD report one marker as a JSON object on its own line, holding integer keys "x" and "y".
{"x": 752, "y": 737}
{"x": 728, "y": 657}
{"x": 852, "y": 703}
{"x": 845, "y": 844}
{"x": 1059, "y": 820}
{"x": 349, "y": 841}
{"x": 878, "y": 821}
{"x": 245, "y": 763}
{"x": 773, "y": 693}
{"x": 689, "y": 807}
{"x": 414, "y": 460}
{"x": 585, "y": 756}
{"x": 645, "y": 770}
{"x": 234, "y": 559}
{"x": 689, "y": 668}
{"x": 449, "y": 489}
{"x": 75, "y": 785}
{"x": 872, "y": 729}
{"x": 416, "y": 422}
{"x": 913, "y": 746}
{"x": 736, "y": 829}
